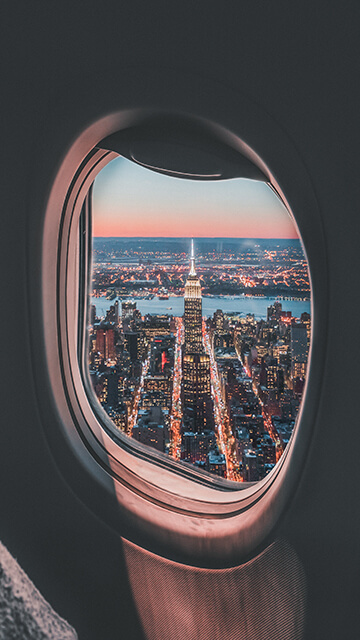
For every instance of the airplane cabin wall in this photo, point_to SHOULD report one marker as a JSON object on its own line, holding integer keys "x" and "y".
{"x": 66, "y": 67}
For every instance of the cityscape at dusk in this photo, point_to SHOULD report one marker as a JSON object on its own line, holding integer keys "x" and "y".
{"x": 199, "y": 323}
{"x": 199, "y": 348}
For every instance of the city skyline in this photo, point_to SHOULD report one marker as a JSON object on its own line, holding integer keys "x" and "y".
{"x": 220, "y": 392}
{"x": 130, "y": 201}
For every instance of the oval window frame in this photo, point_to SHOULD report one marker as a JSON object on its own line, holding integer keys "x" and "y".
{"x": 151, "y": 505}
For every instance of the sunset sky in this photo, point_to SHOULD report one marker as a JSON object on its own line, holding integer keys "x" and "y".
{"x": 130, "y": 201}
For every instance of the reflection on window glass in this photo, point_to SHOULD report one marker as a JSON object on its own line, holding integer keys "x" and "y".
{"x": 200, "y": 318}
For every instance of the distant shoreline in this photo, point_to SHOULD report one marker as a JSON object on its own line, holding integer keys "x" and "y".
{"x": 241, "y": 305}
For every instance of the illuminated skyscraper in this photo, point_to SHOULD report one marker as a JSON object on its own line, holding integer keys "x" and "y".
{"x": 193, "y": 310}
{"x": 196, "y": 390}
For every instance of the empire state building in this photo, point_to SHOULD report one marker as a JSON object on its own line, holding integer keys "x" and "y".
{"x": 196, "y": 389}
{"x": 193, "y": 310}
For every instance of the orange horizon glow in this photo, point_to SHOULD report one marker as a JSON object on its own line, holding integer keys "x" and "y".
{"x": 250, "y": 237}
{"x": 132, "y": 227}
{"x": 132, "y": 202}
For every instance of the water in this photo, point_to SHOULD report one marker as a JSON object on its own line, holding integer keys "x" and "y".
{"x": 228, "y": 304}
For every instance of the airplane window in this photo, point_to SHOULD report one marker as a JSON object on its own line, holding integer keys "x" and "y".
{"x": 198, "y": 318}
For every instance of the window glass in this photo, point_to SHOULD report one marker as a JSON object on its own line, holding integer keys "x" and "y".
{"x": 199, "y": 322}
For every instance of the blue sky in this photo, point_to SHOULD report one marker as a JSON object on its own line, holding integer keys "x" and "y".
{"x": 132, "y": 201}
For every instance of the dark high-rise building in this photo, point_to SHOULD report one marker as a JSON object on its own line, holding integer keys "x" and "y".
{"x": 105, "y": 343}
{"x": 274, "y": 312}
{"x": 196, "y": 390}
{"x": 117, "y": 313}
{"x": 132, "y": 343}
{"x": 219, "y": 320}
{"x": 112, "y": 315}
{"x": 299, "y": 350}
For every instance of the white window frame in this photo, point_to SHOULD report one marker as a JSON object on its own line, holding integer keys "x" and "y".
{"x": 150, "y": 504}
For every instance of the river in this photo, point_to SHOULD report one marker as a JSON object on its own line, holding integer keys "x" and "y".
{"x": 228, "y": 304}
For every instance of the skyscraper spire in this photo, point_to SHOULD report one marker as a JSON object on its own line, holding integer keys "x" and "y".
{"x": 192, "y": 285}
{"x": 193, "y": 309}
{"x": 192, "y": 260}
{"x": 196, "y": 380}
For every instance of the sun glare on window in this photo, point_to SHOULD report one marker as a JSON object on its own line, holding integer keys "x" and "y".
{"x": 199, "y": 323}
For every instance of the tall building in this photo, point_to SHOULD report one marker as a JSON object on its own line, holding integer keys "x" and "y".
{"x": 105, "y": 343}
{"x": 117, "y": 313}
{"x": 128, "y": 309}
{"x": 299, "y": 350}
{"x": 306, "y": 320}
{"x": 193, "y": 310}
{"x": 133, "y": 344}
{"x": 112, "y": 315}
{"x": 196, "y": 390}
{"x": 272, "y": 374}
{"x": 196, "y": 393}
{"x": 219, "y": 320}
{"x": 274, "y": 311}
